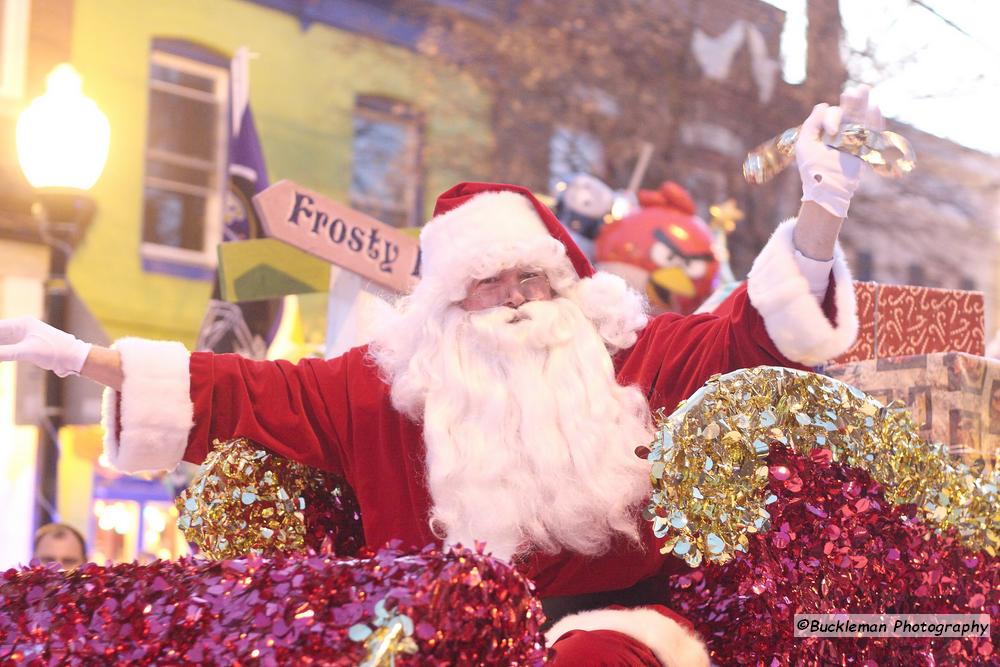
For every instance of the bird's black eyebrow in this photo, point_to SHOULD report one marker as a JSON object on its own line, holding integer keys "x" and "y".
{"x": 667, "y": 241}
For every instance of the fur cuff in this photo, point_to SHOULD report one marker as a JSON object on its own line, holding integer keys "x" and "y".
{"x": 157, "y": 414}
{"x": 672, "y": 644}
{"x": 794, "y": 320}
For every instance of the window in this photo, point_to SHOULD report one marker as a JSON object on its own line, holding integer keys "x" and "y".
{"x": 13, "y": 47}
{"x": 385, "y": 168}
{"x": 572, "y": 152}
{"x": 186, "y": 153}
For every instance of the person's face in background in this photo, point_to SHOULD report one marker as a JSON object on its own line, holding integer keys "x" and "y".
{"x": 60, "y": 547}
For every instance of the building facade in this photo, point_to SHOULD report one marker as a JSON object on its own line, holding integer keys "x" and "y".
{"x": 711, "y": 89}
{"x": 342, "y": 106}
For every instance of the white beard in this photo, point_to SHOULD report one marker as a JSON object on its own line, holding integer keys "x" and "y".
{"x": 530, "y": 438}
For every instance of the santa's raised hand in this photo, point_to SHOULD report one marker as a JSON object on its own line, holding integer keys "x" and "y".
{"x": 829, "y": 176}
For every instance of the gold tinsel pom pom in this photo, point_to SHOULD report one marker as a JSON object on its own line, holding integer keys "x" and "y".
{"x": 709, "y": 468}
{"x": 245, "y": 500}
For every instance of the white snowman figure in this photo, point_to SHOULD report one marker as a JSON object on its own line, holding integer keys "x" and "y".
{"x": 583, "y": 205}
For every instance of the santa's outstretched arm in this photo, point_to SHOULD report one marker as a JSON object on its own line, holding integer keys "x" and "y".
{"x": 164, "y": 404}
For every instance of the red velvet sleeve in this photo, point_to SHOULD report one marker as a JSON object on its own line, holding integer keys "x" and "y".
{"x": 299, "y": 411}
{"x": 676, "y": 355}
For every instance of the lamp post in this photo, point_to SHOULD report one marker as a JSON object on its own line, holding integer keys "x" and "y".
{"x": 62, "y": 146}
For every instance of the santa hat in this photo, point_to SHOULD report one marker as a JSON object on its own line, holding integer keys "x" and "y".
{"x": 480, "y": 229}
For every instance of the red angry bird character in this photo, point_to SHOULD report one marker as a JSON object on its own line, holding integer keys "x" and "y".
{"x": 663, "y": 250}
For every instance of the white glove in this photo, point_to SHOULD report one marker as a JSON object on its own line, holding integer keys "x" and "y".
{"x": 830, "y": 177}
{"x": 28, "y": 339}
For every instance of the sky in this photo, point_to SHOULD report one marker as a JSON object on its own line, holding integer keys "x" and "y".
{"x": 939, "y": 66}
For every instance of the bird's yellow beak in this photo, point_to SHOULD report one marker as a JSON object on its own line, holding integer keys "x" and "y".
{"x": 673, "y": 279}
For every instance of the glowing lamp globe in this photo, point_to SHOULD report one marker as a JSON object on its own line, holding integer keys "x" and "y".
{"x": 63, "y": 137}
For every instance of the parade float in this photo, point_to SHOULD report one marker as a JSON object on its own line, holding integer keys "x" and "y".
{"x": 783, "y": 492}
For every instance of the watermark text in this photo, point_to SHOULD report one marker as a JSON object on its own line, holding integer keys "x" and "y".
{"x": 892, "y": 625}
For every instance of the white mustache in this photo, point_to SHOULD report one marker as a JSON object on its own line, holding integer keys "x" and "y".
{"x": 536, "y": 323}
{"x": 506, "y": 315}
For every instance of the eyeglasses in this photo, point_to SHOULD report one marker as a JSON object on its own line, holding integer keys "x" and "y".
{"x": 497, "y": 290}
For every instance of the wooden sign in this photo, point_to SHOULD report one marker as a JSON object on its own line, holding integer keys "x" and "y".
{"x": 268, "y": 269}
{"x": 340, "y": 235}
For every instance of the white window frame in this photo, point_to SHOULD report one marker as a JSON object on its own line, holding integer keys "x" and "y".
{"x": 409, "y": 207}
{"x": 16, "y": 15}
{"x": 214, "y": 196}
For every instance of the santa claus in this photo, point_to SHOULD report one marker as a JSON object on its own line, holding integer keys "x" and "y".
{"x": 504, "y": 398}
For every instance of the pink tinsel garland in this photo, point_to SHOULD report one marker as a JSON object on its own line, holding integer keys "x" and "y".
{"x": 837, "y": 545}
{"x": 459, "y": 607}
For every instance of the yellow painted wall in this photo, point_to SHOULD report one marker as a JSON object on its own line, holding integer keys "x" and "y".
{"x": 80, "y": 447}
{"x": 303, "y": 87}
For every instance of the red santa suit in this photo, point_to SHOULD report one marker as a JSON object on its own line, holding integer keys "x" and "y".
{"x": 337, "y": 415}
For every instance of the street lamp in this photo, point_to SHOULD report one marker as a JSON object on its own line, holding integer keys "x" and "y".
{"x": 62, "y": 137}
{"x": 62, "y": 146}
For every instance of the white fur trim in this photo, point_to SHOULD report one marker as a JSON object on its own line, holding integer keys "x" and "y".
{"x": 156, "y": 409}
{"x": 491, "y": 232}
{"x": 792, "y": 316}
{"x": 617, "y": 310}
{"x": 672, "y": 644}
